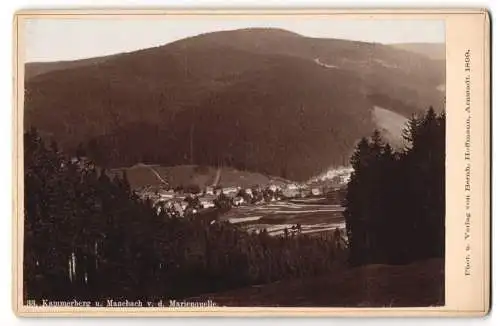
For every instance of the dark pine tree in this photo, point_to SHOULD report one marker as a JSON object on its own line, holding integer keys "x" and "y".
{"x": 395, "y": 201}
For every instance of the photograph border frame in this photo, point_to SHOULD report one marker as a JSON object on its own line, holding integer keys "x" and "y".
{"x": 484, "y": 278}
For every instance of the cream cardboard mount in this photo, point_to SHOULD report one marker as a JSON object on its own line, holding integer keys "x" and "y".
{"x": 251, "y": 163}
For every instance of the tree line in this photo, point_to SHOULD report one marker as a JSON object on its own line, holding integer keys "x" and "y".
{"x": 395, "y": 202}
{"x": 89, "y": 236}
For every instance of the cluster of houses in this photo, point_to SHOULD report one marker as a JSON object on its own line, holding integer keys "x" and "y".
{"x": 338, "y": 176}
{"x": 180, "y": 202}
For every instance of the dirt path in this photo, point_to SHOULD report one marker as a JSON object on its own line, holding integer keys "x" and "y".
{"x": 324, "y": 64}
{"x": 158, "y": 176}
{"x": 217, "y": 177}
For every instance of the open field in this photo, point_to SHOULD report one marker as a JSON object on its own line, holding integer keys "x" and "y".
{"x": 142, "y": 175}
{"x": 276, "y": 216}
{"x": 390, "y": 124}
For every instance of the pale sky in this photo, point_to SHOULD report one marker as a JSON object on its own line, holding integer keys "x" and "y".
{"x": 50, "y": 39}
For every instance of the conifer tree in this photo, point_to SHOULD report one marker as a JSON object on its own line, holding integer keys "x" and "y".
{"x": 395, "y": 200}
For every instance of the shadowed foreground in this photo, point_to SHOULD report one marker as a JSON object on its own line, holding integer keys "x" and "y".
{"x": 414, "y": 285}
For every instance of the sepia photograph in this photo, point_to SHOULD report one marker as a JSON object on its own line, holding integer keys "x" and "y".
{"x": 232, "y": 161}
{"x": 235, "y": 162}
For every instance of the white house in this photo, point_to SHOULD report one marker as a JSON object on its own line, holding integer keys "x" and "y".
{"x": 207, "y": 203}
{"x": 316, "y": 191}
{"x": 167, "y": 194}
{"x": 291, "y": 192}
{"x": 345, "y": 178}
{"x": 238, "y": 201}
{"x": 273, "y": 188}
{"x": 230, "y": 191}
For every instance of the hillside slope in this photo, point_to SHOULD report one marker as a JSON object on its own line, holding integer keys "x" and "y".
{"x": 257, "y": 99}
{"x": 391, "y": 125}
{"x": 419, "y": 284}
{"x": 142, "y": 175}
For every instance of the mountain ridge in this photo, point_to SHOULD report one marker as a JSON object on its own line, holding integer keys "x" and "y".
{"x": 434, "y": 51}
{"x": 278, "y": 103}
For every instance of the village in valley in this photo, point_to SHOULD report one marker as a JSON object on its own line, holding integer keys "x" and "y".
{"x": 279, "y": 206}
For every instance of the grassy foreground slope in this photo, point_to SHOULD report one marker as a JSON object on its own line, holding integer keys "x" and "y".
{"x": 417, "y": 284}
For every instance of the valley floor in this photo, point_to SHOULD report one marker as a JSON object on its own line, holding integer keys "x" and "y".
{"x": 418, "y": 284}
{"x": 275, "y": 217}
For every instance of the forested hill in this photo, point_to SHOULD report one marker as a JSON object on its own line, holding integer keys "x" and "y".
{"x": 266, "y": 100}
